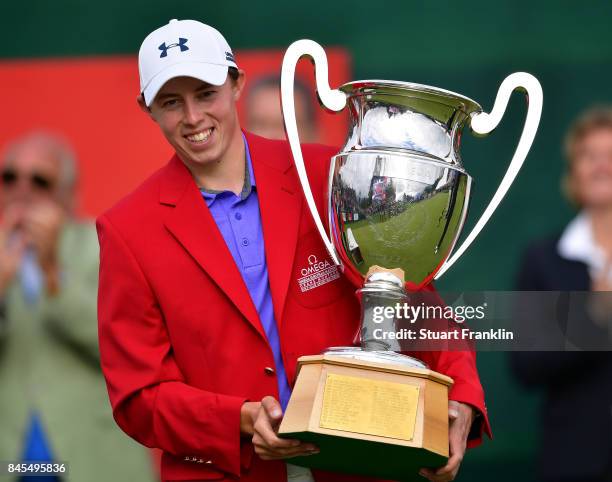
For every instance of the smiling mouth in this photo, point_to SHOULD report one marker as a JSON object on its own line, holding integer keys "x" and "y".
{"x": 200, "y": 137}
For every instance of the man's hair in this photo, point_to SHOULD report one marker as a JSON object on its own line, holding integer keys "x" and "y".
{"x": 233, "y": 73}
{"x": 57, "y": 146}
{"x": 593, "y": 119}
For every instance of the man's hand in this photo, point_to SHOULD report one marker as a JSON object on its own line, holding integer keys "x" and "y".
{"x": 11, "y": 247}
{"x": 460, "y": 418}
{"x": 42, "y": 228}
{"x": 265, "y": 423}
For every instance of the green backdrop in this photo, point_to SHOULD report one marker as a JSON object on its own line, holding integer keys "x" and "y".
{"x": 467, "y": 47}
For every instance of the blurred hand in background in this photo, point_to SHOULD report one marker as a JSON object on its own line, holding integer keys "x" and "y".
{"x": 53, "y": 401}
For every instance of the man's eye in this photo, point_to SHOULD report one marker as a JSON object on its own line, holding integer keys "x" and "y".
{"x": 207, "y": 94}
{"x": 170, "y": 103}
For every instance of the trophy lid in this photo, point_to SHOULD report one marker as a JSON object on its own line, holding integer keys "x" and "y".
{"x": 411, "y": 90}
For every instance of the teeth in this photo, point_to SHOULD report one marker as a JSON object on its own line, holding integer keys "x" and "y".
{"x": 200, "y": 136}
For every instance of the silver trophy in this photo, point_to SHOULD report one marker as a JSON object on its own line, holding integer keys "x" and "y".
{"x": 398, "y": 192}
{"x": 397, "y": 198}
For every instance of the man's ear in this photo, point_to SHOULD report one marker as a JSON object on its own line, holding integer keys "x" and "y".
{"x": 239, "y": 84}
{"x": 143, "y": 106}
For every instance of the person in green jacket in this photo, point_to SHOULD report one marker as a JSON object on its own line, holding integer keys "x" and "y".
{"x": 53, "y": 402}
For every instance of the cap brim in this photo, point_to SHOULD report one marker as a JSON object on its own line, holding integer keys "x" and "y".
{"x": 211, "y": 73}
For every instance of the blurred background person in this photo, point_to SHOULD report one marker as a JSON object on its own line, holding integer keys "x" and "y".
{"x": 576, "y": 416}
{"x": 264, "y": 114}
{"x": 53, "y": 404}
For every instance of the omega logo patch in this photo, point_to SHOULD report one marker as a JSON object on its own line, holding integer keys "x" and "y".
{"x": 317, "y": 273}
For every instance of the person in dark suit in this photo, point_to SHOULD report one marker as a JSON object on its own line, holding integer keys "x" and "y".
{"x": 577, "y": 410}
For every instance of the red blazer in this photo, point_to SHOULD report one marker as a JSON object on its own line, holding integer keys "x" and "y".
{"x": 181, "y": 343}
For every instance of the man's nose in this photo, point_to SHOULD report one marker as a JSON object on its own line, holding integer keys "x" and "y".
{"x": 193, "y": 114}
{"x": 22, "y": 188}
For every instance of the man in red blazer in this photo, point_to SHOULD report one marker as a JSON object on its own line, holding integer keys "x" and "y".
{"x": 201, "y": 316}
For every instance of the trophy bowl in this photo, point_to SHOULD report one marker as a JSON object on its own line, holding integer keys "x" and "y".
{"x": 399, "y": 193}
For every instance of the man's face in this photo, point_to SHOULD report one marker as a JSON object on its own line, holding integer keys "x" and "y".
{"x": 29, "y": 177}
{"x": 198, "y": 119}
{"x": 265, "y": 118}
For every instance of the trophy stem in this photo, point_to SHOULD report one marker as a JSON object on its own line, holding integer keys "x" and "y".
{"x": 381, "y": 293}
{"x": 381, "y": 290}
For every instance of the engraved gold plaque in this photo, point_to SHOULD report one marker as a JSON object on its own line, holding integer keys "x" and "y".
{"x": 367, "y": 406}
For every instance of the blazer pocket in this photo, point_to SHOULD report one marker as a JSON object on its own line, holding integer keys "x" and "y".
{"x": 315, "y": 281}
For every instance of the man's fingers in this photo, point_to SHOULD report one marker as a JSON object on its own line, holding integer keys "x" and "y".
{"x": 16, "y": 247}
{"x": 272, "y": 408}
{"x": 449, "y": 471}
{"x": 38, "y": 227}
{"x": 263, "y": 429}
{"x": 268, "y": 445}
{"x": 46, "y": 218}
{"x": 275, "y": 444}
{"x": 445, "y": 473}
{"x": 270, "y": 452}
{"x": 451, "y": 466}
{"x": 430, "y": 474}
{"x": 457, "y": 446}
{"x": 268, "y": 419}
{"x": 10, "y": 220}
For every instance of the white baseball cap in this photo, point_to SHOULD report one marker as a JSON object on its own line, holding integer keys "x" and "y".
{"x": 182, "y": 48}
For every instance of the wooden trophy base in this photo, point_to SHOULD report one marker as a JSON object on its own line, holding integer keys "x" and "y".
{"x": 368, "y": 418}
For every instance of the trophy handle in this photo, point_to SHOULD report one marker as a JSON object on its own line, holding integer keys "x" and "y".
{"x": 483, "y": 123}
{"x": 333, "y": 100}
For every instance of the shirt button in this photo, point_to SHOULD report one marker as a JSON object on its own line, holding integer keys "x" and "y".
{"x": 269, "y": 371}
{"x": 238, "y": 216}
{"x": 245, "y": 242}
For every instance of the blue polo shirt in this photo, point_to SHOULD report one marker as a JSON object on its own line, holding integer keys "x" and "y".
{"x": 239, "y": 220}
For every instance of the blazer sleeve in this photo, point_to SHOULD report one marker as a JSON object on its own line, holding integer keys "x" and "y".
{"x": 460, "y": 365}
{"x": 151, "y": 401}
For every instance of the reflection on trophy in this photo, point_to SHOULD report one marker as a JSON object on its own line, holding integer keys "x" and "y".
{"x": 398, "y": 198}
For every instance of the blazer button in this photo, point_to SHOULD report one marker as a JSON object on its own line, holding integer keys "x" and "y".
{"x": 269, "y": 371}
{"x": 208, "y": 462}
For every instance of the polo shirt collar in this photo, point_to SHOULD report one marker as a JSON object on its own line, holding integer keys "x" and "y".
{"x": 210, "y": 195}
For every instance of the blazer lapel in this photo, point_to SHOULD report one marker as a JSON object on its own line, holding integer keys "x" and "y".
{"x": 193, "y": 226}
{"x": 280, "y": 204}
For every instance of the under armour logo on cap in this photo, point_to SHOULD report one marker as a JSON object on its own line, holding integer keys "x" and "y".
{"x": 164, "y": 48}
{"x": 183, "y": 48}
